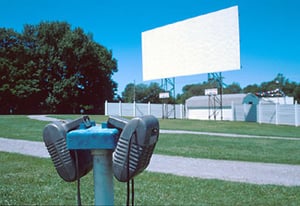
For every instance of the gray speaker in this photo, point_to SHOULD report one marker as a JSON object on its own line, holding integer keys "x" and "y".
{"x": 64, "y": 160}
{"x": 135, "y": 145}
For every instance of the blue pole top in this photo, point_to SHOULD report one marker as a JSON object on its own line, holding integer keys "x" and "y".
{"x": 95, "y": 137}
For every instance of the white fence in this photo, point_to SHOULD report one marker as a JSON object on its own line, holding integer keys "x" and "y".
{"x": 279, "y": 114}
{"x": 283, "y": 114}
{"x": 140, "y": 109}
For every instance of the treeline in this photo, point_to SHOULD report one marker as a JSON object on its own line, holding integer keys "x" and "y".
{"x": 143, "y": 93}
{"x": 52, "y": 68}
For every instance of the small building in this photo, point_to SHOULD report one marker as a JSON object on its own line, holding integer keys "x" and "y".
{"x": 208, "y": 107}
{"x": 276, "y": 100}
{"x": 241, "y": 107}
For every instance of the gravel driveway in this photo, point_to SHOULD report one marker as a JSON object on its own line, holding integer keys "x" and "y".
{"x": 257, "y": 173}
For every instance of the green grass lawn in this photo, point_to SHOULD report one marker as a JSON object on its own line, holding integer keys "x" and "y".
{"x": 29, "y": 180}
{"x": 198, "y": 146}
{"x": 250, "y": 128}
{"x": 248, "y": 149}
{"x": 20, "y": 127}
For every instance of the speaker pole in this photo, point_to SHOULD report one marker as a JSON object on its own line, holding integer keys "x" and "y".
{"x": 103, "y": 177}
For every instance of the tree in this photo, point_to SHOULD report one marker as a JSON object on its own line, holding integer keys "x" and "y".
{"x": 52, "y": 68}
{"x": 152, "y": 93}
{"x": 19, "y": 80}
{"x": 296, "y": 93}
{"x": 279, "y": 82}
{"x": 233, "y": 88}
{"x": 128, "y": 95}
{"x": 195, "y": 90}
{"x": 251, "y": 89}
{"x": 142, "y": 93}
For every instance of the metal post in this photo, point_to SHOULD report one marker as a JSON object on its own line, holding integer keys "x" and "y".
{"x": 215, "y": 108}
{"x": 209, "y": 106}
{"x": 174, "y": 96}
{"x": 103, "y": 177}
{"x": 221, "y": 94}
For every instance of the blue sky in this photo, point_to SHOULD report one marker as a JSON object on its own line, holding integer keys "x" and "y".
{"x": 269, "y": 31}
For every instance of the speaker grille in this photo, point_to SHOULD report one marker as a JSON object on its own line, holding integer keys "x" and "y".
{"x": 59, "y": 153}
{"x": 139, "y": 158}
{"x": 62, "y": 160}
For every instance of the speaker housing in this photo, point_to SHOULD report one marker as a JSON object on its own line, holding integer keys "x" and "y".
{"x": 64, "y": 160}
{"x": 135, "y": 146}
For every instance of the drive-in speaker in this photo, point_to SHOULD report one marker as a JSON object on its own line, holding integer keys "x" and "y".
{"x": 54, "y": 135}
{"x": 135, "y": 145}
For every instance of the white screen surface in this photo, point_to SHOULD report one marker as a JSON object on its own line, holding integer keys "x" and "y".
{"x": 204, "y": 44}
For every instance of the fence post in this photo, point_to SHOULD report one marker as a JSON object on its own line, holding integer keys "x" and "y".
{"x": 149, "y": 108}
{"x": 259, "y": 112}
{"x": 276, "y": 113}
{"x": 186, "y": 111}
{"x": 181, "y": 111}
{"x": 232, "y": 111}
{"x": 296, "y": 115}
{"x": 120, "y": 108}
{"x": 134, "y": 107}
{"x": 106, "y": 108}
